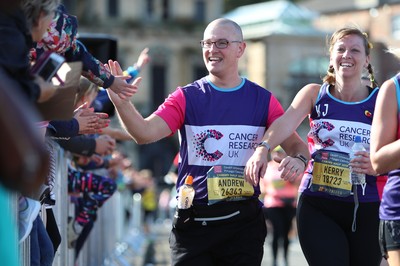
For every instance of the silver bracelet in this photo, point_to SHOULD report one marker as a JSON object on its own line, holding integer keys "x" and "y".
{"x": 264, "y": 144}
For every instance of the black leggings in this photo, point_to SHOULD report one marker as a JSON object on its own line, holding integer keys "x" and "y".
{"x": 281, "y": 220}
{"x": 52, "y": 229}
{"x": 326, "y": 237}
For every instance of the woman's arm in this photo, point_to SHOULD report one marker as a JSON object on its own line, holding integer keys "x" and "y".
{"x": 282, "y": 131}
{"x": 385, "y": 147}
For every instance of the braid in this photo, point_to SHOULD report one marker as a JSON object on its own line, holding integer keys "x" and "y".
{"x": 372, "y": 76}
{"x": 330, "y": 76}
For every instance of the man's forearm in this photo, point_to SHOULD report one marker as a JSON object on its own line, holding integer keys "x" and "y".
{"x": 132, "y": 121}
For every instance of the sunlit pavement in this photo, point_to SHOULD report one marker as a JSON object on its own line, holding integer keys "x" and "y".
{"x": 153, "y": 249}
{"x": 158, "y": 252}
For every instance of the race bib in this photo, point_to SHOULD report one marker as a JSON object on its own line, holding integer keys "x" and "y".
{"x": 331, "y": 173}
{"x": 226, "y": 183}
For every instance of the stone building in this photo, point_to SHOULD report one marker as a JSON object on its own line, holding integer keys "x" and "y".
{"x": 380, "y": 19}
{"x": 286, "y": 44}
{"x": 172, "y": 29}
{"x": 285, "y": 50}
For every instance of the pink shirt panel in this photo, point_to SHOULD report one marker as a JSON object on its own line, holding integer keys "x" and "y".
{"x": 172, "y": 111}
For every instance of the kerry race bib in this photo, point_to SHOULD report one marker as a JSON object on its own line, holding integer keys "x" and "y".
{"x": 331, "y": 173}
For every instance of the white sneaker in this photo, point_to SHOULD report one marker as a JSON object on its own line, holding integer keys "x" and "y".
{"x": 27, "y": 217}
{"x": 74, "y": 229}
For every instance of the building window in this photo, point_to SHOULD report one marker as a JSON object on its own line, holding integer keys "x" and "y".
{"x": 200, "y": 8}
{"x": 396, "y": 27}
{"x": 150, "y": 8}
{"x": 165, "y": 9}
{"x": 113, "y": 8}
{"x": 158, "y": 85}
{"x": 304, "y": 71}
{"x": 199, "y": 72}
{"x": 382, "y": 2}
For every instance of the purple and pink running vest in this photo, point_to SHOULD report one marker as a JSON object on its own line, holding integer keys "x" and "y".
{"x": 333, "y": 127}
{"x": 217, "y": 127}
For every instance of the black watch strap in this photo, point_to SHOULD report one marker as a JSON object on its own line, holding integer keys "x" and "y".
{"x": 302, "y": 158}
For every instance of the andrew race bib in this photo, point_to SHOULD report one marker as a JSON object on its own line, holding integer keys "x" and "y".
{"x": 226, "y": 182}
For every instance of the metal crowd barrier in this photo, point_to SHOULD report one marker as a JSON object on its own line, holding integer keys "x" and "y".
{"x": 112, "y": 241}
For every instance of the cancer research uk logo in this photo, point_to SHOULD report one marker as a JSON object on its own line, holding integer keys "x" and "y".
{"x": 199, "y": 140}
{"x": 316, "y": 128}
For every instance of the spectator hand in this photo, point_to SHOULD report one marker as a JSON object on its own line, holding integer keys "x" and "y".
{"x": 143, "y": 59}
{"x": 90, "y": 122}
{"x": 105, "y": 145}
{"x": 122, "y": 88}
{"x": 85, "y": 160}
{"x": 101, "y": 123}
{"x": 97, "y": 159}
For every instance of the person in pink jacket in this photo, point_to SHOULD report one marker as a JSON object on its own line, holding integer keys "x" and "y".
{"x": 279, "y": 204}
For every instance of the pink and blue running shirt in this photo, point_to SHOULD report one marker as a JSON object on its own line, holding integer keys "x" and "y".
{"x": 333, "y": 127}
{"x": 217, "y": 127}
{"x": 390, "y": 205}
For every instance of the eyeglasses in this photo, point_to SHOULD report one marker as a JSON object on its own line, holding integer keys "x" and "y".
{"x": 220, "y": 44}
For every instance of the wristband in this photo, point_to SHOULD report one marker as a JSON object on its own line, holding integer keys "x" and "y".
{"x": 264, "y": 144}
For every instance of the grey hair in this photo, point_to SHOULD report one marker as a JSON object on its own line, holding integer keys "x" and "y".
{"x": 33, "y": 8}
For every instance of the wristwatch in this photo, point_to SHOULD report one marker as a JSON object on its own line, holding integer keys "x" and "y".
{"x": 302, "y": 158}
{"x": 264, "y": 144}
